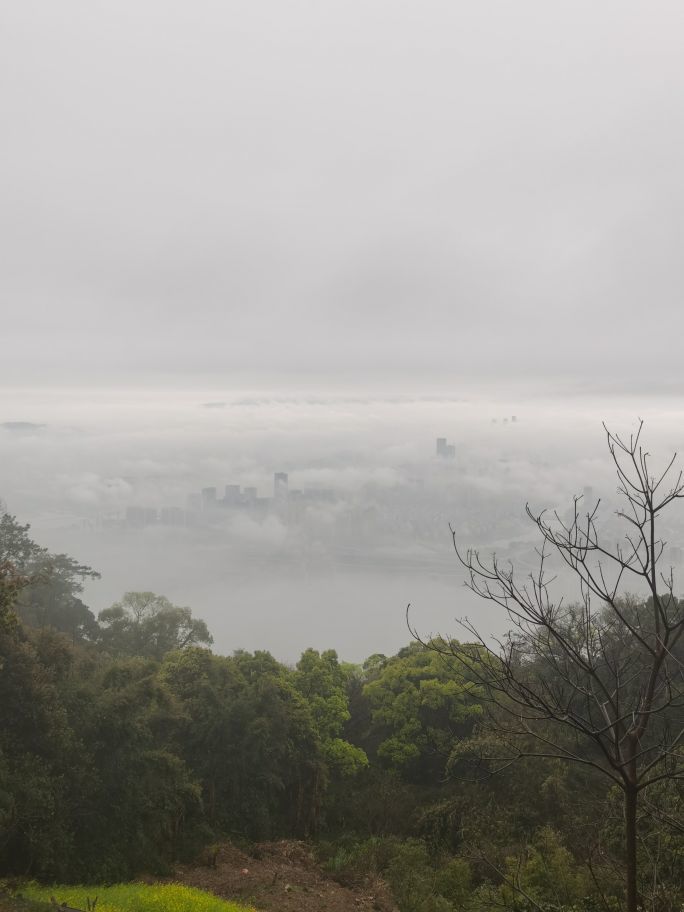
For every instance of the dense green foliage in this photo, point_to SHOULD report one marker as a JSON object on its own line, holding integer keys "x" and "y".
{"x": 54, "y": 582}
{"x": 125, "y": 743}
{"x": 145, "y": 624}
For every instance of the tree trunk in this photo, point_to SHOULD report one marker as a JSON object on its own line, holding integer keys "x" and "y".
{"x": 631, "y": 846}
{"x": 212, "y": 799}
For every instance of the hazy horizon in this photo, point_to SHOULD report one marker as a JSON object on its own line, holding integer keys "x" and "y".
{"x": 75, "y": 462}
{"x": 240, "y": 239}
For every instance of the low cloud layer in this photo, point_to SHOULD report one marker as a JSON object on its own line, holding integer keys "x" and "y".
{"x": 108, "y": 480}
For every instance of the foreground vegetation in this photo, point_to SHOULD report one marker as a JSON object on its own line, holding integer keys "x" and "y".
{"x": 126, "y": 744}
{"x": 10, "y": 903}
{"x": 133, "y": 898}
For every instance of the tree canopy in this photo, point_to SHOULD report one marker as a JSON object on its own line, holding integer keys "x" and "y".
{"x": 145, "y": 624}
{"x": 130, "y": 744}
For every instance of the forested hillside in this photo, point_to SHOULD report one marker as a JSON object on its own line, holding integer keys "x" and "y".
{"x": 127, "y": 744}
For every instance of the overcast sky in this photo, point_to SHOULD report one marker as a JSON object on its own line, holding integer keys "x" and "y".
{"x": 352, "y": 187}
{"x": 433, "y": 201}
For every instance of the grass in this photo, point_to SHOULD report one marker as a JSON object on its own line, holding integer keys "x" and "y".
{"x": 12, "y": 904}
{"x": 134, "y": 898}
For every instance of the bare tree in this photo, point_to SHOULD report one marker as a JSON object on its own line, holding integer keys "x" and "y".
{"x": 597, "y": 682}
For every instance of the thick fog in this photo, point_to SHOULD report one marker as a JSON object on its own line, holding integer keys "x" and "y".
{"x": 242, "y": 239}
{"x": 125, "y": 481}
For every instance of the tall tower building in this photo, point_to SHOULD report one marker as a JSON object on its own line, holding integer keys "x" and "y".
{"x": 208, "y": 498}
{"x": 232, "y": 495}
{"x": 445, "y": 450}
{"x": 280, "y": 486}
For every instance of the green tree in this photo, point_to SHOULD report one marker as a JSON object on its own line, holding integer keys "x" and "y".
{"x": 324, "y": 683}
{"x": 138, "y": 803}
{"x": 145, "y": 624}
{"x": 54, "y": 582}
{"x": 16, "y": 545}
{"x": 11, "y": 584}
{"x": 420, "y": 704}
{"x": 37, "y": 759}
{"x": 249, "y": 736}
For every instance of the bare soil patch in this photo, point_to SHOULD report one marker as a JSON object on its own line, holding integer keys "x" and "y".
{"x": 281, "y": 877}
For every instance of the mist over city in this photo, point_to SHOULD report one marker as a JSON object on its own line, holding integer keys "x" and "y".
{"x": 292, "y": 521}
{"x": 341, "y": 435}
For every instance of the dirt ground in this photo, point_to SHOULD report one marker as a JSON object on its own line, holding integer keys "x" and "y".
{"x": 281, "y": 877}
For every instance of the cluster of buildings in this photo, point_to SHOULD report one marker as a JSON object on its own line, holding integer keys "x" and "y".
{"x": 206, "y": 504}
{"x": 236, "y": 496}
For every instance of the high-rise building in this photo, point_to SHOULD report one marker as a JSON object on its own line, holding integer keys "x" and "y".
{"x": 445, "y": 450}
{"x": 208, "y": 498}
{"x": 172, "y": 516}
{"x": 232, "y": 495}
{"x": 141, "y": 516}
{"x": 280, "y": 486}
{"x": 194, "y": 503}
